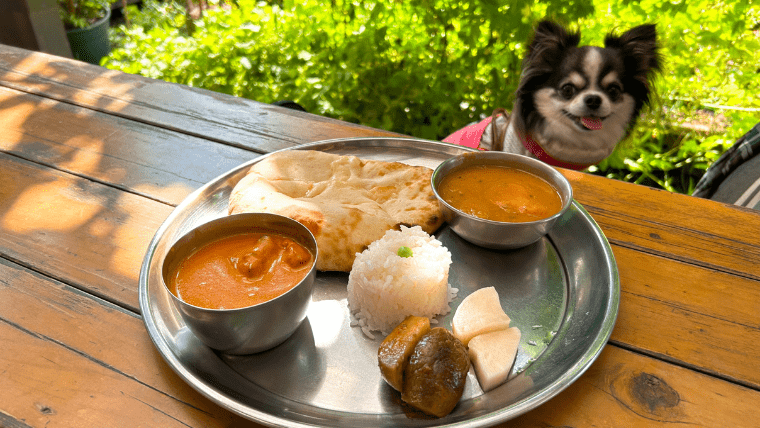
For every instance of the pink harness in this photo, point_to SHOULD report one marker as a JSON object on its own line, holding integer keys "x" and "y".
{"x": 470, "y": 136}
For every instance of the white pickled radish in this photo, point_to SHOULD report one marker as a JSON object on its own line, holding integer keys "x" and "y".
{"x": 492, "y": 355}
{"x": 479, "y": 313}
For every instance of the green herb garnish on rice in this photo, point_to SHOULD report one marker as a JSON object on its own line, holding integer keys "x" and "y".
{"x": 404, "y": 252}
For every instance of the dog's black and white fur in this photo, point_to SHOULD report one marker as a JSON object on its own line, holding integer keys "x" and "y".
{"x": 576, "y": 103}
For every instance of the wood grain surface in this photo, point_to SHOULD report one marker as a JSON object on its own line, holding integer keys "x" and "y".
{"x": 92, "y": 161}
{"x": 694, "y": 230}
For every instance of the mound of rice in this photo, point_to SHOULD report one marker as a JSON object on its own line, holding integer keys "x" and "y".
{"x": 384, "y": 288}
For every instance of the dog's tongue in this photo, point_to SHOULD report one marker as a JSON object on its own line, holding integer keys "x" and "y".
{"x": 593, "y": 123}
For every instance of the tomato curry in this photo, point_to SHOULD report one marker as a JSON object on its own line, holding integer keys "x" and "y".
{"x": 241, "y": 270}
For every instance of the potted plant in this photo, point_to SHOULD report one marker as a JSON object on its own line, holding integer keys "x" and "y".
{"x": 86, "y": 23}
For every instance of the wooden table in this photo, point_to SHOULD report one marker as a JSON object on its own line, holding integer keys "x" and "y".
{"x": 92, "y": 161}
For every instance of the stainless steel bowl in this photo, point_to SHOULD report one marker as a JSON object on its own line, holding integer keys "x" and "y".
{"x": 254, "y": 328}
{"x": 496, "y": 234}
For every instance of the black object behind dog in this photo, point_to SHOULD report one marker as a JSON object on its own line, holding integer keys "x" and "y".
{"x": 735, "y": 177}
{"x": 289, "y": 104}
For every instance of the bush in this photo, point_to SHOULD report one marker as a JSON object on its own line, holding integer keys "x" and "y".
{"x": 428, "y": 67}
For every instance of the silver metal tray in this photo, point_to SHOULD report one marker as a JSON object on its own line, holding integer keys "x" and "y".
{"x": 562, "y": 292}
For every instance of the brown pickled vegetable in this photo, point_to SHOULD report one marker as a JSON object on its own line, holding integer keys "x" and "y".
{"x": 397, "y": 347}
{"x": 435, "y": 376}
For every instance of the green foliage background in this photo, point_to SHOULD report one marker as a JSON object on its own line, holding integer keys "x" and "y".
{"x": 428, "y": 67}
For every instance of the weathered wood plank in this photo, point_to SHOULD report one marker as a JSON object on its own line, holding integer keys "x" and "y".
{"x": 706, "y": 318}
{"x": 127, "y": 154}
{"x": 694, "y": 230}
{"x": 198, "y": 112}
{"x": 625, "y": 389}
{"x": 66, "y": 350}
{"x": 74, "y": 229}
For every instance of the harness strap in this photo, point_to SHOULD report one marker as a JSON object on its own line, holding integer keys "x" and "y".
{"x": 532, "y": 146}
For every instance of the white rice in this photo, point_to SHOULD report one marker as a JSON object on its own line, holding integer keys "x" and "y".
{"x": 384, "y": 288}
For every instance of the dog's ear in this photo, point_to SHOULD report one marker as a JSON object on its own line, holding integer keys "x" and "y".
{"x": 549, "y": 40}
{"x": 545, "y": 51}
{"x": 640, "y": 52}
{"x": 639, "y": 48}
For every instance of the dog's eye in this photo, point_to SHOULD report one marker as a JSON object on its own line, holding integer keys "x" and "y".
{"x": 567, "y": 91}
{"x": 614, "y": 91}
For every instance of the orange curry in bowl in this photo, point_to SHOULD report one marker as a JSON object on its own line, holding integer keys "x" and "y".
{"x": 241, "y": 270}
{"x": 500, "y": 193}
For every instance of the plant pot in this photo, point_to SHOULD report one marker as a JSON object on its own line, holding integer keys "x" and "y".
{"x": 90, "y": 44}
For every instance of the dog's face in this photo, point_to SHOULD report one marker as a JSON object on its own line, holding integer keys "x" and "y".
{"x": 579, "y": 102}
{"x": 585, "y": 109}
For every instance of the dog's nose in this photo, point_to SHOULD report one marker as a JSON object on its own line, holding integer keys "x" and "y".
{"x": 593, "y": 101}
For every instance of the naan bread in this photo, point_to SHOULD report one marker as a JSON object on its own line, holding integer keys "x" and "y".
{"x": 345, "y": 201}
